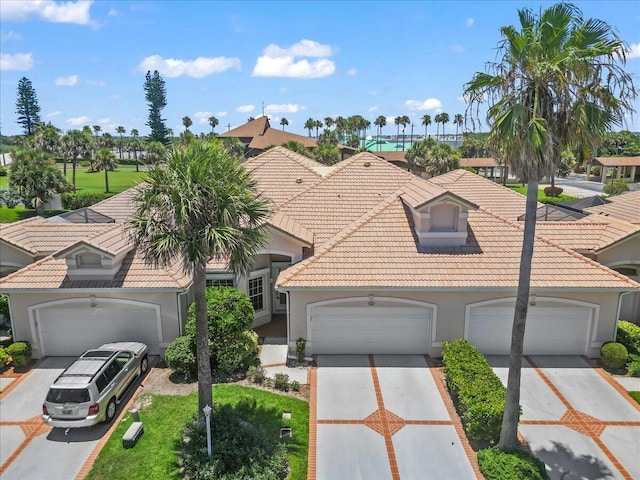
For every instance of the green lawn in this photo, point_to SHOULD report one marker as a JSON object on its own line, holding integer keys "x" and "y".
{"x": 635, "y": 396}
{"x": 156, "y": 454}
{"x": 541, "y": 196}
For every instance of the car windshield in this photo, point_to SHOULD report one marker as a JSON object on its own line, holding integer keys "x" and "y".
{"x": 68, "y": 395}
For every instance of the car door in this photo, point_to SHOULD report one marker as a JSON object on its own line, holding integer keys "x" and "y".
{"x": 114, "y": 374}
{"x": 129, "y": 368}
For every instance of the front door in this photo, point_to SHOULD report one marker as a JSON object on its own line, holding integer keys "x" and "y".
{"x": 279, "y": 301}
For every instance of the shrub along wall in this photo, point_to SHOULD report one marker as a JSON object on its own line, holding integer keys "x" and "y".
{"x": 479, "y": 392}
{"x": 629, "y": 336}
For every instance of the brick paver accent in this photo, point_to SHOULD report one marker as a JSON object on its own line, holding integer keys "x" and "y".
{"x": 581, "y": 422}
{"x": 31, "y": 428}
{"x": 312, "y": 376}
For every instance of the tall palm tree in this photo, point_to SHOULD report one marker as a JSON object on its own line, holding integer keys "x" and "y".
{"x": 310, "y": 125}
{"x": 182, "y": 217}
{"x": 318, "y": 125}
{"x": 380, "y": 122}
{"x": 404, "y": 121}
{"x": 156, "y": 153}
{"x": 416, "y": 154}
{"x": 77, "y": 144}
{"x": 458, "y": 120}
{"x": 97, "y": 129}
{"x": 134, "y": 145}
{"x": 213, "y": 122}
{"x": 426, "y": 121}
{"x": 328, "y": 121}
{"x": 438, "y": 119}
{"x": 120, "y": 131}
{"x": 105, "y": 159}
{"x": 397, "y": 121}
{"x": 444, "y": 119}
{"x": 187, "y": 122}
{"x": 559, "y": 80}
{"x": 284, "y": 122}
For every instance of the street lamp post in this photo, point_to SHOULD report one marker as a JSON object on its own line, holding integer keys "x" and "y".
{"x": 207, "y": 413}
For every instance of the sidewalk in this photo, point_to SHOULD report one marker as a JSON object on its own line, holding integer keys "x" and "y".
{"x": 273, "y": 359}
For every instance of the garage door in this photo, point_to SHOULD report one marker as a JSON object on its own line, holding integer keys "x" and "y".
{"x": 363, "y": 330}
{"x": 70, "y": 329}
{"x": 549, "y": 331}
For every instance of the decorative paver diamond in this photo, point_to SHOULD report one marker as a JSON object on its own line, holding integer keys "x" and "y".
{"x": 377, "y": 419}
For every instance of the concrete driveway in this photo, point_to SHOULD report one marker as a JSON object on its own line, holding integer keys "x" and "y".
{"x": 382, "y": 417}
{"x": 32, "y": 450}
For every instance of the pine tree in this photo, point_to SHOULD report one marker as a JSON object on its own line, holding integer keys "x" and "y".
{"x": 156, "y": 96}
{"x": 27, "y": 106}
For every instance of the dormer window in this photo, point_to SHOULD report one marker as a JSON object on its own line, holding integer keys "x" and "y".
{"x": 444, "y": 218}
{"x": 88, "y": 260}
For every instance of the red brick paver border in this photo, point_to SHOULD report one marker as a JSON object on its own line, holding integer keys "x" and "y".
{"x": 31, "y": 428}
{"x": 312, "y": 376}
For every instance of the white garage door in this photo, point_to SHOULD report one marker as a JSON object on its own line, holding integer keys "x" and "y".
{"x": 363, "y": 330}
{"x": 70, "y": 329}
{"x": 549, "y": 330}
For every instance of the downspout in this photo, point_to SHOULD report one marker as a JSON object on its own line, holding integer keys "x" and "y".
{"x": 615, "y": 329}
{"x": 180, "y": 311}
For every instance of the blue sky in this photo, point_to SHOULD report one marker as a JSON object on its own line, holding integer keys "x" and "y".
{"x": 300, "y": 59}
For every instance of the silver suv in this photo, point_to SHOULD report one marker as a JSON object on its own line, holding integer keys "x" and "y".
{"x": 88, "y": 391}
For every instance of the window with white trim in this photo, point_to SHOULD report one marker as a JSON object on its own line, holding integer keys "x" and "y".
{"x": 256, "y": 293}
{"x": 220, "y": 281}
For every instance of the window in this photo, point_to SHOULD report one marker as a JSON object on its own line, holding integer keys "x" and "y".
{"x": 68, "y": 395}
{"x": 112, "y": 370}
{"x": 123, "y": 358}
{"x": 256, "y": 293}
{"x": 91, "y": 260}
{"x": 101, "y": 382}
{"x": 220, "y": 282}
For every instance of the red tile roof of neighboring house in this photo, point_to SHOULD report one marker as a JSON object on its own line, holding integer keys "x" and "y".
{"x": 478, "y": 162}
{"x": 252, "y": 128}
{"x": 272, "y": 136}
{"x": 619, "y": 161}
{"x": 623, "y": 207}
{"x": 589, "y": 234}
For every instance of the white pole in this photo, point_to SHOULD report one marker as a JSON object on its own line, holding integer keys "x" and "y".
{"x": 207, "y": 413}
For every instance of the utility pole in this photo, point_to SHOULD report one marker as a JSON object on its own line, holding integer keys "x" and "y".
{"x": 228, "y": 126}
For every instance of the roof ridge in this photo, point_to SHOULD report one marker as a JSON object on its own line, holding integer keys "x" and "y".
{"x": 340, "y": 236}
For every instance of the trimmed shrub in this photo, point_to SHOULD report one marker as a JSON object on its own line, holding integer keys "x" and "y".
{"x": 633, "y": 368}
{"x": 239, "y": 354}
{"x": 629, "y": 335}
{"x": 281, "y": 381}
{"x": 180, "y": 356}
{"x": 614, "y": 355}
{"x": 241, "y": 450}
{"x": 616, "y": 187}
{"x": 73, "y": 201}
{"x": 553, "y": 191}
{"x": 479, "y": 392}
{"x": 301, "y": 348}
{"x": 20, "y": 353}
{"x": 4, "y": 358}
{"x": 496, "y": 464}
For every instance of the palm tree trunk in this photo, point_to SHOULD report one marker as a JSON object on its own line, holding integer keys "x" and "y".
{"x": 73, "y": 173}
{"x": 511, "y": 417}
{"x": 135, "y": 155}
{"x": 205, "y": 396}
{"x": 106, "y": 179}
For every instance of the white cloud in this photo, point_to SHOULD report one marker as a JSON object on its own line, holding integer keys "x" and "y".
{"x": 469, "y": 23}
{"x": 352, "y": 72}
{"x": 69, "y": 81}
{"x": 113, "y": 12}
{"x": 245, "y": 108}
{"x": 461, "y": 99}
{"x": 53, "y": 114}
{"x": 198, "y": 68}
{"x": 97, "y": 83}
{"x": 634, "y": 50}
{"x": 428, "y": 104}
{"x": 284, "y": 90}
{"x": 201, "y": 117}
{"x": 280, "y": 62}
{"x": 373, "y": 109}
{"x": 76, "y": 121}
{"x": 284, "y": 108}
{"x": 104, "y": 120}
{"x": 456, "y": 48}
{"x": 391, "y": 119}
{"x": 10, "y": 35}
{"x": 16, "y": 61}
{"x": 221, "y": 114}
{"x": 304, "y": 48}
{"x": 47, "y": 10}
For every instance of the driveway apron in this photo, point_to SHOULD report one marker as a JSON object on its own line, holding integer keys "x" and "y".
{"x": 383, "y": 417}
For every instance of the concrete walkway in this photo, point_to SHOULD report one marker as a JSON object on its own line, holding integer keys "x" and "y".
{"x": 273, "y": 359}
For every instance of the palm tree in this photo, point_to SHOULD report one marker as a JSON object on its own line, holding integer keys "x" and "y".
{"x": 380, "y": 122}
{"x": 397, "y": 121}
{"x": 559, "y": 81}
{"x": 458, "y": 120}
{"x": 156, "y": 153}
{"x": 404, "y": 121}
{"x": 105, "y": 159}
{"x": 77, "y": 144}
{"x": 120, "y": 131}
{"x": 444, "y": 118}
{"x": 440, "y": 159}
{"x": 187, "y": 122}
{"x": 417, "y": 153}
{"x": 284, "y": 122}
{"x": 97, "y": 129}
{"x": 426, "y": 121}
{"x": 183, "y": 217}
{"x": 328, "y": 121}
{"x": 310, "y": 125}
{"x": 135, "y": 145}
{"x": 318, "y": 125}
{"x": 213, "y": 121}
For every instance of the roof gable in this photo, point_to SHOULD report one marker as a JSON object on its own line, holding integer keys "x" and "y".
{"x": 252, "y": 128}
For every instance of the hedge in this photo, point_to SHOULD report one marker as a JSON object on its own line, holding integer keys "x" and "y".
{"x": 73, "y": 201}
{"x": 496, "y": 464}
{"x": 629, "y": 335}
{"x": 479, "y": 392}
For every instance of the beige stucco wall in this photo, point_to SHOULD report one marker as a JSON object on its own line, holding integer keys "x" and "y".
{"x": 451, "y": 310}
{"x": 624, "y": 252}
{"x": 12, "y": 259}
{"x": 168, "y": 302}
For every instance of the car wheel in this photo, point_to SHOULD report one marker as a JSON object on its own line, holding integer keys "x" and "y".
{"x": 111, "y": 410}
{"x": 144, "y": 365}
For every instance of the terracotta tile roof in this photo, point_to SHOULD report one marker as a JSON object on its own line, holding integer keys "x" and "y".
{"x": 478, "y": 162}
{"x": 281, "y": 173}
{"x": 274, "y": 136}
{"x": 114, "y": 242}
{"x": 619, "y": 161}
{"x": 38, "y": 236}
{"x": 250, "y": 129}
{"x": 288, "y": 225}
{"x": 50, "y": 273}
{"x": 418, "y": 193}
{"x": 352, "y": 188}
{"x": 397, "y": 156}
{"x": 380, "y": 251}
{"x": 623, "y": 207}
{"x": 120, "y": 207}
{"x": 489, "y": 195}
{"x": 588, "y": 234}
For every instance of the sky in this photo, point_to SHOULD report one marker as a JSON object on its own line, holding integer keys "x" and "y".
{"x": 232, "y": 59}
